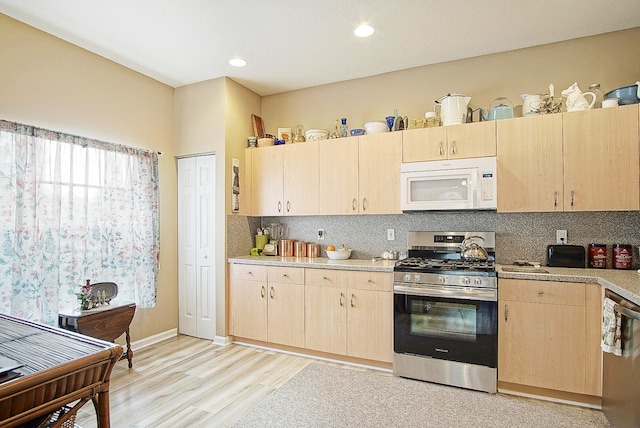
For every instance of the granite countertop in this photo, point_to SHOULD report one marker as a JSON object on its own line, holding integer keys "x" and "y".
{"x": 317, "y": 263}
{"x": 625, "y": 283}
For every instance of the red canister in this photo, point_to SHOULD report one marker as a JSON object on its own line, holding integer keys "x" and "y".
{"x": 597, "y": 256}
{"x": 622, "y": 256}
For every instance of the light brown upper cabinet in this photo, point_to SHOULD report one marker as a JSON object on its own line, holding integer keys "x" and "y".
{"x": 285, "y": 180}
{"x": 530, "y": 174}
{"x": 360, "y": 175}
{"x": 469, "y": 140}
{"x": 601, "y": 159}
{"x": 577, "y": 161}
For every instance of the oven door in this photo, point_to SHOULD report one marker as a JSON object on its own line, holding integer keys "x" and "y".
{"x": 447, "y": 323}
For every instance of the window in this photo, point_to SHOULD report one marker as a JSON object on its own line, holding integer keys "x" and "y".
{"x": 73, "y": 209}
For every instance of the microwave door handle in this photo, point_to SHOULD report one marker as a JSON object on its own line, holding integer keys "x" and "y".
{"x": 475, "y": 202}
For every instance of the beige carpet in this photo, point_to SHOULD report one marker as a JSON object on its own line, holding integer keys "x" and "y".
{"x": 326, "y": 396}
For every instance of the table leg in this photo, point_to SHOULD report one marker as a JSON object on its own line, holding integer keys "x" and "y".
{"x": 101, "y": 404}
{"x": 129, "y": 351}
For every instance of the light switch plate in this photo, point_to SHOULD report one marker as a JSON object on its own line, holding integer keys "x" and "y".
{"x": 561, "y": 237}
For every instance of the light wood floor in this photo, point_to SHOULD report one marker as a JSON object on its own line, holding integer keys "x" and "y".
{"x": 189, "y": 382}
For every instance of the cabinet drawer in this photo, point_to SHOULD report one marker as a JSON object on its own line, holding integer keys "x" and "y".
{"x": 248, "y": 272}
{"x": 379, "y": 281}
{"x": 327, "y": 277}
{"x": 285, "y": 275}
{"x": 547, "y": 292}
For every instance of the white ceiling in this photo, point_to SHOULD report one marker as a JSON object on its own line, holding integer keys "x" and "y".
{"x": 294, "y": 44}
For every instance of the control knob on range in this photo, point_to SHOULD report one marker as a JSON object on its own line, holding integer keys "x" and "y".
{"x": 477, "y": 281}
{"x": 466, "y": 281}
{"x": 442, "y": 279}
{"x": 406, "y": 277}
{"x": 416, "y": 277}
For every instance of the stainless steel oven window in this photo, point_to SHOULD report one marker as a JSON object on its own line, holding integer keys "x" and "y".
{"x": 443, "y": 320}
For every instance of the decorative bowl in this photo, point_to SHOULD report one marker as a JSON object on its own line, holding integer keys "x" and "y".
{"x": 376, "y": 127}
{"x": 338, "y": 254}
{"x": 316, "y": 134}
{"x": 627, "y": 95}
{"x": 356, "y": 131}
{"x": 264, "y": 142}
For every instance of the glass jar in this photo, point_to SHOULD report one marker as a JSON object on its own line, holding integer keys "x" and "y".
{"x": 622, "y": 256}
{"x": 597, "y": 256}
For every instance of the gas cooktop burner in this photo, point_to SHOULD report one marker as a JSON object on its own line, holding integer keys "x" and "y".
{"x": 436, "y": 265}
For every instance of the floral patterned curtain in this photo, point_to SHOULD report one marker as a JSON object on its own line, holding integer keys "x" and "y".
{"x": 73, "y": 209}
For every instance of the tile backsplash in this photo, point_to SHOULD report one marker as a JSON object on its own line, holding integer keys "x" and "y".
{"x": 518, "y": 236}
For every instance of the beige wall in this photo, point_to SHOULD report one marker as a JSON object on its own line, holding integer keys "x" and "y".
{"x": 607, "y": 59}
{"x": 214, "y": 117}
{"x": 52, "y": 84}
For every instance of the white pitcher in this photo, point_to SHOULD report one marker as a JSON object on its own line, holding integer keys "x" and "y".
{"x": 453, "y": 109}
{"x": 530, "y": 104}
{"x": 576, "y": 100}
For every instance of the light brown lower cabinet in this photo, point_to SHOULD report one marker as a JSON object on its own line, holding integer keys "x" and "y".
{"x": 349, "y": 313}
{"x": 549, "y": 335}
{"x": 267, "y": 304}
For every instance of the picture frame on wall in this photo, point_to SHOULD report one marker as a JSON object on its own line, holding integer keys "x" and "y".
{"x": 235, "y": 186}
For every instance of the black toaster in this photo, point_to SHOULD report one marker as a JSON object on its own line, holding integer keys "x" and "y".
{"x": 565, "y": 256}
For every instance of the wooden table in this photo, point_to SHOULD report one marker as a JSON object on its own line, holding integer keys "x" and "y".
{"x": 60, "y": 369}
{"x": 106, "y": 322}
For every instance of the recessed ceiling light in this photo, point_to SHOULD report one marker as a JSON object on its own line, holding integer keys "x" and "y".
{"x": 363, "y": 30}
{"x": 237, "y": 62}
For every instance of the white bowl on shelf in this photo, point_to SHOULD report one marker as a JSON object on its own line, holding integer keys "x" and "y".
{"x": 316, "y": 134}
{"x": 338, "y": 254}
{"x": 376, "y": 126}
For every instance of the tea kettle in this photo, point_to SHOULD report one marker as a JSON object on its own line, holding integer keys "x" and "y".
{"x": 501, "y": 111}
{"x": 453, "y": 109}
{"x": 472, "y": 251}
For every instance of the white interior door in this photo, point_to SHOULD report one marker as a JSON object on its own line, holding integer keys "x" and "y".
{"x": 196, "y": 238}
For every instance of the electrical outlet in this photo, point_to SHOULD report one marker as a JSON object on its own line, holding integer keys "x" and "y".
{"x": 321, "y": 234}
{"x": 561, "y": 237}
{"x": 391, "y": 235}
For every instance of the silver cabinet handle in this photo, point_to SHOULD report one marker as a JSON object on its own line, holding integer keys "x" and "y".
{"x": 288, "y": 206}
{"x": 506, "y": 313}
{"x": 262, "y": 291}
{"x": 279, "y": 206}
{"x": 441, "y": 149}
{"x": 572, "y": 198}
{"x": 352, "y": 300}
{"x": 354, "y": 204}
{"x": 629, "y": 313}
{"x": 540, "y": 293}
{"x": 325, "y": 278}
{"x": 555, "y": 199}
{"x": 341, "y": 299}
{"x": 284, "y": 275}
{"x": 364, "y": 200}
{"x": 453, "y": 148}
{"x": 271, "y": 293}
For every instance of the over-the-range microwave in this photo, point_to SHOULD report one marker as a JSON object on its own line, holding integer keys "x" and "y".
{"x": 449, "y": 185}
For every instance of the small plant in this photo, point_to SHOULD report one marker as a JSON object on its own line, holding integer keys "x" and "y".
{"x": 550, "y": 104}
{"x": 85, "y": 297}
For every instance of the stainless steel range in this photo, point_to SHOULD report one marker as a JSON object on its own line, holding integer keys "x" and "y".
{"x": 446, "y": 310}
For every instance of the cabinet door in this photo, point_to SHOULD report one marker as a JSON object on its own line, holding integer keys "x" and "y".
{"x": 530, "y": 172}
{"x": 301, "y": 179}
{"x": 370, "y": 324}
{"x": 379, "y": 173}
{"x": 471, "y": 140}
{"x": 543, "y": 335}
{"x": 326, "y": 319}
{"x": 267, "y": 181}
{"x": 338, "y": 164}
{"x": 286, "y": 314}
{"x": 601, "y": 159}
{"x": 425, "y": 144}
{"x": 246, "y": 190}
{"x": 248, "y": 309}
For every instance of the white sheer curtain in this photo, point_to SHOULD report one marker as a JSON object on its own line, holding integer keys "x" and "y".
{"x": 73, "y": 209}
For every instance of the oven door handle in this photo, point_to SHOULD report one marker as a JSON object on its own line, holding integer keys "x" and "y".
{"x": 451, "y": 292}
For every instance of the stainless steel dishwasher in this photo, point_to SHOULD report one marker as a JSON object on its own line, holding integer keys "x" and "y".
{"x": 621, "y": 374}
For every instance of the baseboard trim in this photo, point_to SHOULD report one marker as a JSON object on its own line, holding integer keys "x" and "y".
{"x": 312, "y": 356}
{"x": 152, "y": 340}
{"x": 222, "y": 340}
